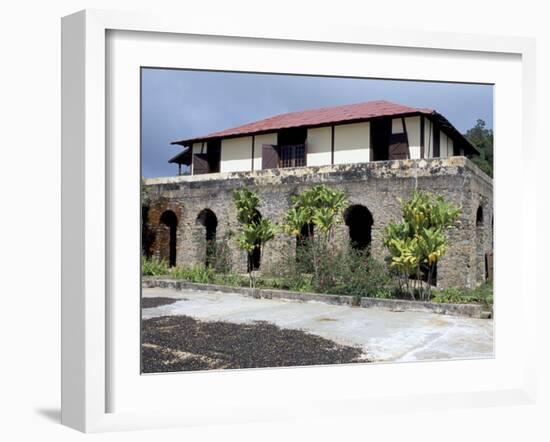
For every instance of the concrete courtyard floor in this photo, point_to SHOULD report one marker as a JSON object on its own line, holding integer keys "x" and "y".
{"x": 383, "y": 335}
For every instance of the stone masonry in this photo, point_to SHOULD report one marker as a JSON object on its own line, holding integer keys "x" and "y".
{"x": 375, "y": 185}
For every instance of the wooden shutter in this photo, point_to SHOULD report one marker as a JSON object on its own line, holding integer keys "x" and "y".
{"x": 270, "y": 156}
{"x": 214, "y": 155}
{"x": 456, "y": 150}
{"x": 399, "y": 148}
{"x": 200, "y": 164}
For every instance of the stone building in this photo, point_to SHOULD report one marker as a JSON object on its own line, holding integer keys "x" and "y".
{"x": 375, "y": 152}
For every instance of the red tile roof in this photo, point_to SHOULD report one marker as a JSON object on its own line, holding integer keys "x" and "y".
{"x": 315, "y": 117}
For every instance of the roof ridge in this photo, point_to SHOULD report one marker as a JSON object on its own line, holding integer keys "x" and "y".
{"x": 311, "y": 109}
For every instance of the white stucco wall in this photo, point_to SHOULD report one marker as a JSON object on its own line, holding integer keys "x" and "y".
{"x": 428, "y": 139}
{"x": 236, "y": 154}
{"x": 318, "y": 146}
{"x": 445, "y": 146}
{"x": 445, "y": 142}
{"x": 198, "y": 146}
{"x": 396, "y": 126}
{"x": 413, "y": 135}
{"x": 258, "y": 141}
{"x": 352, "y": 143}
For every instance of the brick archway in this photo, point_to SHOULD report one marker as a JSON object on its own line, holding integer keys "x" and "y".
{"x": 167, "y": 237}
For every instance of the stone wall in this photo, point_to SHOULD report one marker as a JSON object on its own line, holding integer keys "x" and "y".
{"x": 376, "y": 185}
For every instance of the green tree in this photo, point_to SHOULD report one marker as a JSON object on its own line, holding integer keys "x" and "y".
{"x": 482, "y": 138}
{"x": 254, "y": 231}
{"x": 418, "y": 241}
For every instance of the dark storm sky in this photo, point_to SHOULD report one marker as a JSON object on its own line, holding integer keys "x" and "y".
{"x": 179, "y": 104}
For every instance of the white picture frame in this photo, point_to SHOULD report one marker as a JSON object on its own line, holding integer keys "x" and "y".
{"x": 87, "y": 203}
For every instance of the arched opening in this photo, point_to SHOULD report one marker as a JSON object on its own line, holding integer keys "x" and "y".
{"x": 209, "y": 221}
{"x": 168, "y": 224}
{"x": 359, "y": 221}
{"x": 479, "y": 216}
{"x": 306, "y": 233}
{"x": 255, "y": 257}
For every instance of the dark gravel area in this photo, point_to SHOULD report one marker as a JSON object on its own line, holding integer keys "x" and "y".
{"x": 182, "y": 343}
{"x": 157, "y": 302}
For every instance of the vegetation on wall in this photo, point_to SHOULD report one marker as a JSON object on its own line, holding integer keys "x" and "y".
{"x": 482, "y": 138}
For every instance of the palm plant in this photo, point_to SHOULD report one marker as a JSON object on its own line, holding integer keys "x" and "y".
{"x": 418, "y": 241}
{"x": 254, "y": 231}
{"x": 319, "y": 208}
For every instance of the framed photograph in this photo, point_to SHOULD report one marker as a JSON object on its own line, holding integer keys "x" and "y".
{"x": 272, "y": 223}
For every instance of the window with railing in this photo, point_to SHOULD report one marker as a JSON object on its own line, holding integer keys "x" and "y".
{"x": 293, "y": 155}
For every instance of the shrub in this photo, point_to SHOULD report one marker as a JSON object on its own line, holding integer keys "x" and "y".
{"x": 289, "y": 272}
{"x": 231, "y": 279}
{"x": 296, "y": 282}
{"x": 154, "y": 267}
{"x": 418, "y": 241}
{"x": 356, "y": 273}
{"x": 215, "y": 253}
{"x": 383, "y": 293}
{"x": 344, "y": 271}
{"x": 484, "y": 294}
{"x": 453, "y": 296}
{"x": 480, "y": 295}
